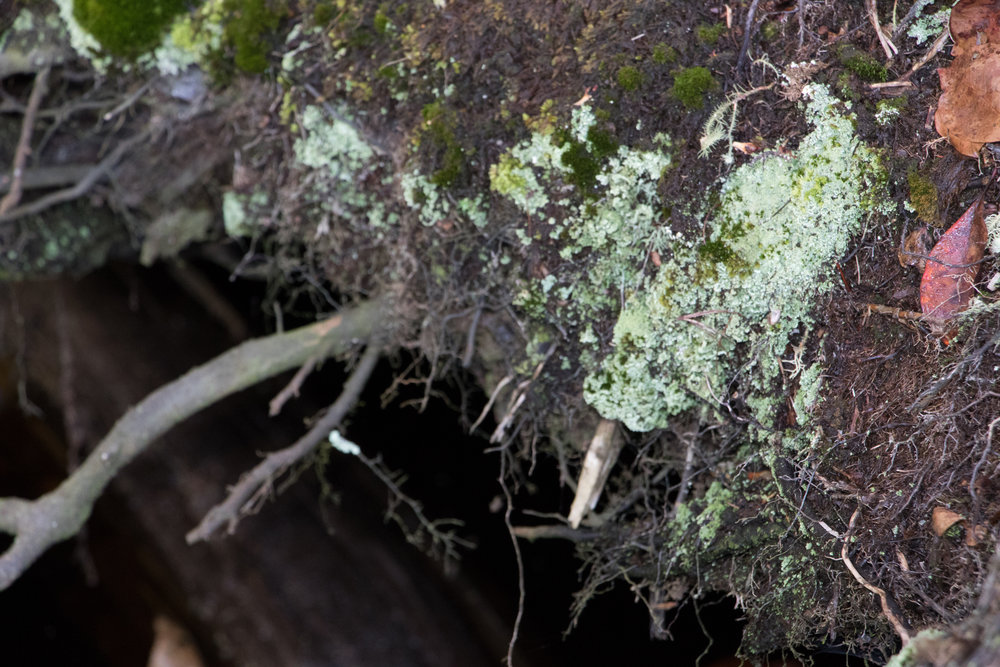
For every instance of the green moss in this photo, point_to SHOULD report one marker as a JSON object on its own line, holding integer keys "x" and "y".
{"x": 323, "y": 13}
{"x": 709, "y": 34}
{"x": 127, "y": 27}
{"x": 923, "y": 196}
{"x": 664, "y": 54}
{"x": 690, "y": 86}
{"x": 601, "y": 142}
{"x": 770, "y": 31}
{"x": 439, "y": 124}
{"x": 582, "y": 166}
{"x": 382, "y": 23}
{"x": 863, "y": 65}
{"x": 629, "y": 78}
{"x": 248, "y": 28}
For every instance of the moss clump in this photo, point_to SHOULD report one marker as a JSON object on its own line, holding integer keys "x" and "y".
{"x": 863, "y": 65}
{"x": 322, "y": 14}
{"x": 664, "y": 54}
{"x": 629, "y": 78}
{"x": 248, "y": 28}
{"x": 126, "y": 27}
{"x": 770, "y": 31}
{"x": 710, "y": 34}
{"x": 690, "y": 86}
{"x": 923, "y": 196}
{"x": 382, "y": 23}
{"x": 439, "y": 124}
{"x": 584, "y": 160}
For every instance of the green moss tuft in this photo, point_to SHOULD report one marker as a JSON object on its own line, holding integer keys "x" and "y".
{"x": 126, "y": 27}
{"x": 629, "y": 78}
{"x": 664, "y": 54}
{"x": 690, "y": 86}
{"x": 863, "y": 65}
{"x": 709, "y": 34}
{"x": 248, "y": 28}
{"x": 770, "y": 31}
{"x": 439, "y": 128}
{"x": 923, "y": 196}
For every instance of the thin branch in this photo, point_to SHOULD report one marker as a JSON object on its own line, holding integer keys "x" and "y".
{"x": 751, "y": 12}
{"x": 554, "y": 531}
{"x": 240, "y": 501}
{"x": 36, "y": 525}
{"x": 291, "y": 390}
{"x": 882, "y": 595}
{"x": 887, "y": 45}
{"x": 38, "y": 90}
{"x": 83, "y": 186}
{"x": 521, "y": 592}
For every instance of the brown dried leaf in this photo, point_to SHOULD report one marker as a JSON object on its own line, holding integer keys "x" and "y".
{"x": 952, "y": 267}
{"x": 968, "y": 112}
{"x": 942, "y": 519}
{"x": 974, "y": 22}
{"x": 915, "y": 249}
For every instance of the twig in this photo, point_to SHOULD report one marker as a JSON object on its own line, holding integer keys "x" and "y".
{"x": 35, "y": 178}
{"x": 38, "y": 90}
{"x": 887, "y": 45}
{"x": 933, "y": 390}
{"x": 446, "y": 536}
{"x": 746, "y": 35}
{"x": 521, "y": 594}
{"x": 897, "y": 625}
{"x": 291, "y": 389}
{"x": 554, "y": 531}
{"x": 36, "y": 525}
{"x": 802, "y": 23}
{"x": 237, "y": 503}
{"x": 904, "y": 81}
{"x": 83, "y": 186}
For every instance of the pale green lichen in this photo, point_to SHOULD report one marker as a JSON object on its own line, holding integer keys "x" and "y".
{"x": 240, "y": 212}
{"x": 603, "y": 239}
{"x": 717, "y": 501}
{"x": 728, "y": 305}
{"x": 928, "y": 26}
{"x": 432, "y": 205}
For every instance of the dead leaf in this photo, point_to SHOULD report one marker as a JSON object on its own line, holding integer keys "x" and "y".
{"x": 915, "y": 249}
{"x": 943, "y": 518}
{"x": 952, "y": 267}
{"x": 968, "y": 112}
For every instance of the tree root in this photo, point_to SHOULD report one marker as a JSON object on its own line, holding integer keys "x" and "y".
{"x": 36, "y": 525}
{"x": 243, "y": 497}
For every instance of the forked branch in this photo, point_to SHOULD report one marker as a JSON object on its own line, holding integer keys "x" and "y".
{"x": 38, "y": 524}
{"x": 240, "y": 500}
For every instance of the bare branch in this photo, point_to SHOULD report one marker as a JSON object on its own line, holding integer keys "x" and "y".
{"x": 83, "y": 186}
{"x": 38, "y": 90}
{"x": 241, "y": 497}
{"x": 37, "y": 525}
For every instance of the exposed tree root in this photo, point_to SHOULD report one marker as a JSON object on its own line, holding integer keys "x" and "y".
{"x": 36, "y": 525}
{"x": 243, "y": 498}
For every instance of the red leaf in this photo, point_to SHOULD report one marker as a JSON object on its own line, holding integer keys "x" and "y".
{"x": 953, "y": 265}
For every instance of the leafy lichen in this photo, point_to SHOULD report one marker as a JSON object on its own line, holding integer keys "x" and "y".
{"x": 707, "y": 316}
